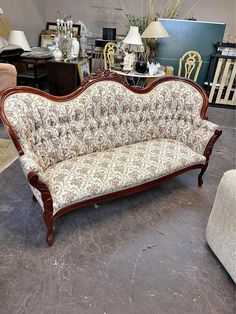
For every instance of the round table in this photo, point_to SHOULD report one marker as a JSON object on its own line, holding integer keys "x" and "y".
{"x": 139, "y": 80}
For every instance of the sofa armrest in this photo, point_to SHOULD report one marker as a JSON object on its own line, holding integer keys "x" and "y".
{"x": 30, "y": 165}
{"x": 197, "y": 134}
{"x": 31, "y": 169}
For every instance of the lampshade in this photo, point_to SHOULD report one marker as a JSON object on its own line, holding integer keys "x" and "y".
{"x": 155, "y": 30}
{"x": 135, "y": 48}
{"x": 18, "y": 38}
{"x": 133, "y": 37}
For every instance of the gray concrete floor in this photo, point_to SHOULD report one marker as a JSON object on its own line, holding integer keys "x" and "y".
{"x": 100, "y": 262}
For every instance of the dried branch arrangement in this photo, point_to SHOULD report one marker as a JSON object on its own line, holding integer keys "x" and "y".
{"x": 149, "y": 12}
{"x": 171, "y": 9}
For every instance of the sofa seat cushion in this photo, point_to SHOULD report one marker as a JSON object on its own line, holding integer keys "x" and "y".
{"x": 101, "y": 173}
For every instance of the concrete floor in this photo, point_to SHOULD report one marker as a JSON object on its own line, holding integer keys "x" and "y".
{"x": 100, "y": 262}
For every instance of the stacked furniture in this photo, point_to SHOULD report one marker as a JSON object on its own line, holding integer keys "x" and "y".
{"x": 221, "y": 82}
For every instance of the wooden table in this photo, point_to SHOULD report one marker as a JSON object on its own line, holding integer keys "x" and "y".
{"x": 38, "y": 71}
{"x": 25, "y": 73}
{"x": 63, "y": 77}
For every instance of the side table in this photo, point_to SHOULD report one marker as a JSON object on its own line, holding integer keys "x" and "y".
{"x": 38, "y": 61}
{"x": 36, "y": 73}
{"x": 63, "y": 77}
{"x": 139, "y": 80}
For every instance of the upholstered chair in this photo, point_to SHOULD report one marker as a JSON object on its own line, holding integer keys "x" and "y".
{"x": 7, "y": 75}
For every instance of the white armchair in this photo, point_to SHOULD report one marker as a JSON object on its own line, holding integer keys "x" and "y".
{"x": 221, "y": 227}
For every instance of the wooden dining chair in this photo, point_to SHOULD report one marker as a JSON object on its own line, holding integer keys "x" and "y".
{"x": 108, "y": 54}
{"x": 190, "y": 64}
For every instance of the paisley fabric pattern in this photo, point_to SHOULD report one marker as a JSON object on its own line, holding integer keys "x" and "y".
{"x": 100, "y": 173}
{"x": 107, "y": 115}
{"x": 28, "y": 165}
{"x": 108, "y": 138}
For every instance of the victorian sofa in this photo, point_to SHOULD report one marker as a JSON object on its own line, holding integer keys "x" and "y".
{"x": 106, "y": 139}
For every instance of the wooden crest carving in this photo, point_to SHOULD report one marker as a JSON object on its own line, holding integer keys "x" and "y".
{"x": 102, "y": 74}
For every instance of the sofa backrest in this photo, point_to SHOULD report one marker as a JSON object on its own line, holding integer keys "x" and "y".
{"x": 104, "y": 115}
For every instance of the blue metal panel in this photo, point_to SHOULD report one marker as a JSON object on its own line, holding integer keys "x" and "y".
{"x": 189, "y": 35}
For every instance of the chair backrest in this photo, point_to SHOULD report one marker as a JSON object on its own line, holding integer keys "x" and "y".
{"x": 190, "y": 64}
{"x": 108, "y": 53}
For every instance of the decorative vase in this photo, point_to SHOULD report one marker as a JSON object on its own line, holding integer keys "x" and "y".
{"x": 75, "y": 48}
{"x": 57, "y": 54}
{"x": 153, "y": 46}
{"x": 83, "y": 44}
{"x": 141, "y": 66}
{"x": 63, "y": 46}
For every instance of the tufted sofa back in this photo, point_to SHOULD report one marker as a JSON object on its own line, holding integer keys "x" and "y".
{"x": 105, "y": 115}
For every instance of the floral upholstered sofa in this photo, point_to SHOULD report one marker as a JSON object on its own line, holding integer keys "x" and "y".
{"x": 106, "y": 139}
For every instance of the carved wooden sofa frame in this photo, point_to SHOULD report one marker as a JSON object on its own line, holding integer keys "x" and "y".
{"x": 34, "y": 180}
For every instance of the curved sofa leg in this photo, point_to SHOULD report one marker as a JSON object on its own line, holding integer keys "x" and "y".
{"x": 34, "y": 180}
{"x": 49, "y": 225}
{"x": 200, "y": 180}
{"x": 48, "y": 220}
{"x": 50, "y": 234}
{"x": 207, "y": 153}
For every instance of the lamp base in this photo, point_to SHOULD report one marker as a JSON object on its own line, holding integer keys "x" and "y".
{"x": 141, "y": 66}
{"x": 153, "y": 46}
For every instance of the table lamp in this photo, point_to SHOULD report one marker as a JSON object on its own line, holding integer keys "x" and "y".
{"x": 18, "y": 38}
{"x": 133, "y": 37}
{"x": 154, "y": 31}
{"x": 132, "y": 44}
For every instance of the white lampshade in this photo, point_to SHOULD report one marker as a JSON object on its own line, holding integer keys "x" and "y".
{"x": 135, "y": 48}
{"x": 18, "y": 38}
{"x": 155, "y": 30}
{"x": 133, "y": 37}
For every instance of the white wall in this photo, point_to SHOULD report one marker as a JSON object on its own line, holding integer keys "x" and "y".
{"x": 25, "y": 15}
{"x": 95, "y": 19}
{"x": 214, "y": 11}
{"x": 31, "y": 15}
